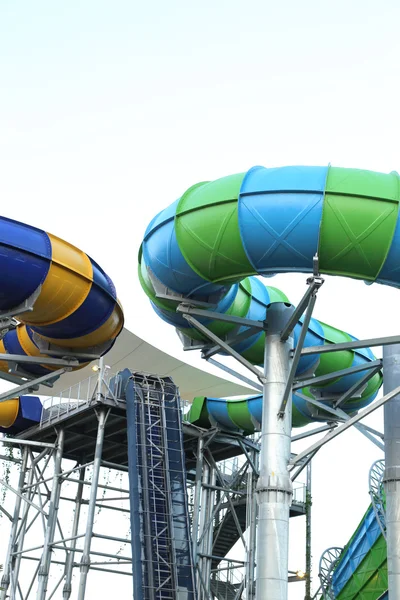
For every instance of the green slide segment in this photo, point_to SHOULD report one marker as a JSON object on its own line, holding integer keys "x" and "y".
{"x": 359, "y": 218}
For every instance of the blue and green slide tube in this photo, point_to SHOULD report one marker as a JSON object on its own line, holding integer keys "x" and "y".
{"x": 211, "y": 243}
{"x": 72, "y": 304}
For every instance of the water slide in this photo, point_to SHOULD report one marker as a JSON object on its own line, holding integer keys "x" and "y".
{"x": 360, "y": 570}
{"x": 64, "y": 302}
{"x": 211, "y": 243}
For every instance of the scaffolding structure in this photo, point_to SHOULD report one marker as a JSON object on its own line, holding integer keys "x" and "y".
{"x": 55, "y": 525}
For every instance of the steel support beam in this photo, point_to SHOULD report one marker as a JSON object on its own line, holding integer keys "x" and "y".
{"x": 375, "y": 365}
{"x": 209, "y": 314}
{"x": 344, "y": 426}
{"x": 391, "y": 479}
{"x": 315, "y": 284}
{"x": 225, "y": 346}
{"x": 234, "y": 373}
{"x": 43, "y": 573}
{"x": 6, "y": 578}
{"x": 39, "y": 360}
{"x": 369, "y": 343}
{"x": 85, "y": 560}
{"x": 69, "y": 564}
{"x": 308, "y": 532}
{"x": 274, "y": 488}
{"x": 33, "y": 384}
{"x": 296, "y": 355}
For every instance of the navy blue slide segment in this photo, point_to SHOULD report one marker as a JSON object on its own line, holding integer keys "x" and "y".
{"x": 29, "y": 415}
{"x": 161, "y": 540}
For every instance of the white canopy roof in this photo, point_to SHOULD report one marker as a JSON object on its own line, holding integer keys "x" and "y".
{"x": 130, "y": 351}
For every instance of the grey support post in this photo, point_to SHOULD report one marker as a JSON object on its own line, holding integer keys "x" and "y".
{"x": 44, "y": 567}
{"x": 274, "y": 488}
{"x": 391, "y": 379}
{"x": 85, "y": 561}
{"x": 6, "y": 578}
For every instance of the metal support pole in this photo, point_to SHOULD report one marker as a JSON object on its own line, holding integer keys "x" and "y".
{"x": 251, "y": 520}
{"x": 85, "y": 560}
{"x": 202, "y": 563}
{"x": 308, "y": 533}
{"x": 274, "y": 488}
{"x": 209, "y": 536}
{"x": 6, "y": 578}
{"x": 67, "y": 589}
{"x": 197, "y": 500}
{"x": 22, "y": 530}
{"x": 99, "y": 393}
{"x": 391, "y": 380}
{"x": 52, "y": 520}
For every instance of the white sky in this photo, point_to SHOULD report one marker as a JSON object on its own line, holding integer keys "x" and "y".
{"x": 110, "y": 110}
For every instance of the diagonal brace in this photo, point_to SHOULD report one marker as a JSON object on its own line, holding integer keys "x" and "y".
{"x": 315, "y": 283}
{"x": 297, "y": 356}
{"x": 344, "y": 426}
{"x": 214, "y": 338}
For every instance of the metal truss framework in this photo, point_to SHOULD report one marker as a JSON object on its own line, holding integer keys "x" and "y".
{"x": 223, "y": 512}
{"x": 47, "y": 490}
{"x": 339, "y": 421}
{"x": 222, "y": 476}
{"x": 223, "y": 509}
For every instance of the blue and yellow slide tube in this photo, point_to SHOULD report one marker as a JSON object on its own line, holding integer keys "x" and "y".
{"x": 75, "y": 306}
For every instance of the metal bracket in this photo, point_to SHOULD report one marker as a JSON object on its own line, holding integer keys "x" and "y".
{"x": 25, "y": 306}
{"x": 306, "y": 304}
{"x": 316, "y": 265}
{"x": 32, "y": 385}
{"x": 164, "y": 293}
{"x": 314, "y": 284}
{"x": 7, "y": 324}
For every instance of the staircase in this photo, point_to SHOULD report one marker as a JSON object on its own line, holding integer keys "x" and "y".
{"x": 225, "y": 590}
{"x": 226, "y": 532}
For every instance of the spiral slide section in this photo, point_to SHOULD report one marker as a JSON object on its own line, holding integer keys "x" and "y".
{"x": 73, "y": 301}
{"x": 211, "y": 243}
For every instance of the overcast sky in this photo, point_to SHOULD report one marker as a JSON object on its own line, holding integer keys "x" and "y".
{"x": 110, "y": 110}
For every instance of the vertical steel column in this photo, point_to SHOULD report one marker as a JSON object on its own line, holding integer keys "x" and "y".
{"x": 30, "y": 493}
{"x": 99, "y": 392}
{"x": 51, "y": 519}
{"x": 6, "y": 578}
{"x": 67, "y": 589}
{"x": 210, "y": 534}
{"x": 202, "y": 563}
{"x": 85, "y": 560}
{"x": 308, "y": 533}
{"x": 274, "y": 488}
{"x": 391, "y": 379}
{"x": 251, "y": 520}
{"x": 197, "y": 499}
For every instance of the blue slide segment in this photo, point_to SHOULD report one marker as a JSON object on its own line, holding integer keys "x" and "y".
{"x": 28, "y": 414}
{"x": 25, "y": 257}
{"x": 272, "y": 208}
{"x": 361, "y": 543}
